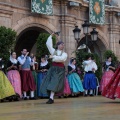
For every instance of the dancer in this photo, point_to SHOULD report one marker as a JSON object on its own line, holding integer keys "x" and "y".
{"x": 54, "y": 81}
{"x": 6, "y": 89}
{"x": 66, "y": 92}
{"x": 27, "y": 80}
{"x": 112, "y": 90}
{"x": 34, "y": 69}
{"x": 14, "y": 76}
{"x": 89, "y": 81}
{"x": 42, "y": 71}
{"x": 108, "y": 69}
{"x": 74, "y": 79}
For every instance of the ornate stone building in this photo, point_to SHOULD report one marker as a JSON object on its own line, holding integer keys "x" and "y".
{"x": 17, "y": 15}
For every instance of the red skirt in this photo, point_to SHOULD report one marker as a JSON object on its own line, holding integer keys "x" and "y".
{"x": 112, "y": 90}
{"x": 27, "y": 81}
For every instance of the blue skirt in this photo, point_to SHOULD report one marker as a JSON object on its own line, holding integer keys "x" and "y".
{"x": 89, "y": 81}
{"x": 75, "y": 83}
{"x": 40, "y": 80}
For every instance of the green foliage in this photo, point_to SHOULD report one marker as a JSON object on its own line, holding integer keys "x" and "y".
{"x": 41, "y": 44}
{"x": 110, "y": 53}
{"x": 81, "y": 55}
{"x": 7, "y": 40}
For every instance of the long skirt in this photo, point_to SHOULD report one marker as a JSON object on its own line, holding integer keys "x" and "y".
{"x": 35, "y": 79}
{"x": 90, "y": 81}
{"x": 40, "y": 77}
{"x": 112, "y": 90}
{"x": 54, "y": 80}
{"x": 27, "y": 81}
{"x": 66, "y": 90}
{"x": 6, "y": 88}
{"x": 15, "y": 80}
{"x": 75, "y": 83}
{"x": 105, "y": 79}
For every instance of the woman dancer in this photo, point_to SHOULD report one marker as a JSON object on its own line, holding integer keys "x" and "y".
{"x": 108, "y": 69}
{"x": 112, "y": 90}
{"x": 89, "y": 81}
{"x": 42, "y": 71}
{"x": 34, "y": 73}
{"x": 14, "y": 76}
{"x": 74, "y": 79}
{"x": 6, "y": 89}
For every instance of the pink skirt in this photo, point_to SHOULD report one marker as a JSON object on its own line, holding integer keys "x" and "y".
{"x": 67, "y": 90}
{"x": 14, "y": 78}
{"x": 105, "y": 79}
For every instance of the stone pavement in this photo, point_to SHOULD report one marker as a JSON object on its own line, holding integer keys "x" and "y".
{"x": 82, "y": 108}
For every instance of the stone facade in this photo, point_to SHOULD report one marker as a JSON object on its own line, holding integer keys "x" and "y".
{"x": 17, "y": 15}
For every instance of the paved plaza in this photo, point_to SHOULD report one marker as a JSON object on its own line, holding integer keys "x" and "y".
{"x": 82, "y": 108}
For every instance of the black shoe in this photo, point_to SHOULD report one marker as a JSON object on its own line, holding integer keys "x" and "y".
{"x": 10, "y": 99}
{"x": 16, "y": 99}
{"x": 32, "y": 98}
{"x": 50, "y": 101}
{"x": 25, "y": 98}
{"x": 85, "y": 95}
{"x": 59, "y": 97}
{"x": 65, "y": 96}
{"x": 2, "y": 100}
{"x": 91, "y": 95}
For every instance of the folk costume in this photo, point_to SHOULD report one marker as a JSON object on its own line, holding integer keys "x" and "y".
{"x": 42, "y": 72}
{"x": 107, "y": 75}
{"x": 74, "y": 80}
{"x": 112, "y": 90}
{"x": 89, "y": 81}
{"x": 6, "y": 89}
{"x": 54, "y": 80}
{"x": 66, "y": 92}
{"x": 14, "y": 76}
{"x": 27, "y": 80}
{"x": 34, "y": 73}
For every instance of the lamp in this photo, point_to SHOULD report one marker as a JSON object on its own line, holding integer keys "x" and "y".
{"x": 86, "y": 26}
{"x": 76, "y": 32}
{"x": 94, "y": 34}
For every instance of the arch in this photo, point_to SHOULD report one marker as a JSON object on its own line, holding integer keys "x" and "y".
{"x": 28, "y": 30}
{"x": 33, "y": 21}
{"x": 101, "y": 36}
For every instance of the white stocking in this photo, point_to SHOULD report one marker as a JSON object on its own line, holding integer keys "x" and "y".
{"x": 31, "y": 94}
{"x": 24, "y": 93}
{"x": 52, "y": 95}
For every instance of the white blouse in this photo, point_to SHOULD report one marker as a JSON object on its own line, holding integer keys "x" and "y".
{"x": 58, "y": 57}
{"x": 89, "y": 65}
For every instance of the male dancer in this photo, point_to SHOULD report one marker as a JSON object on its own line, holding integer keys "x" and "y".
{"x": 27, "y": 79}
{"x": 54, "y": 80}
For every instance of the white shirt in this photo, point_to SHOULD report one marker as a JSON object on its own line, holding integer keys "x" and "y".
{"x": 58, "y": 57}
{"x": 22, "y": 61}
{"x": 89, "y": 65}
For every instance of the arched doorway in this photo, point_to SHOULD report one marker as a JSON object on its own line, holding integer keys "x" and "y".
{"x": 27, "y": 39}
{"x": 97, "y": 47}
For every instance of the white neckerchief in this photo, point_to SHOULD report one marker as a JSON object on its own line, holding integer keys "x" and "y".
{"x": 108, "y": 63}
{"x": 44, "y": 64}
{"x": 73, "y": 66}
{"x": 13, "y": 60}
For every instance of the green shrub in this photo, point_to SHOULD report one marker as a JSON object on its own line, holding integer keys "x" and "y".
{"x": 41, "y": 44}
{"x": 7, "y": 40}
